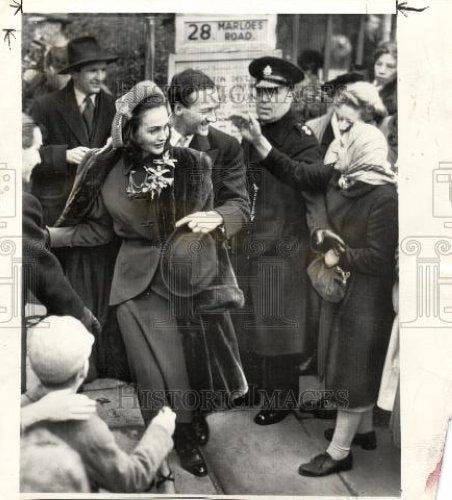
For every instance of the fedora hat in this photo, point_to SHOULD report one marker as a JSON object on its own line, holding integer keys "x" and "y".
{"x": 85, "y": 50}
{"x": 188, "y": 262}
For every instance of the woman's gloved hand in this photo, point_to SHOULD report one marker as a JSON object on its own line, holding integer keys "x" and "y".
{"x": 323, "y": 240}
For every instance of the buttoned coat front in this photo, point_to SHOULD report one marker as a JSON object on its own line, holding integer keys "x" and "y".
{"x": 274, "y": 250}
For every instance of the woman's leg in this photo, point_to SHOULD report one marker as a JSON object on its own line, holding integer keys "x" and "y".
{"x": 155, "y": 355}
{"x": 347, "y": 424}
{"x": 337, "y": 457}
{"x": 367, "y": 422}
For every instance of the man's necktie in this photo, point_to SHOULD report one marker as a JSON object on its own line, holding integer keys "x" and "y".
{"x": 88, "y": 114}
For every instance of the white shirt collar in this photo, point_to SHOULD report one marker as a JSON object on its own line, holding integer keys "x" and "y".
{"x": 175, "y": 136}
{"x": 335, "y": 126}
{"x": 80, "y": 98}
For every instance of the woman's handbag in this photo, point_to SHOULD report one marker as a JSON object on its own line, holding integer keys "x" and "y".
{"x": 329, "y": 282}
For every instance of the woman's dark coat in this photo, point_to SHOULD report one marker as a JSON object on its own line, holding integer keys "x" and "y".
{"x": 143, "y": 236}
{"x": 354, "y": 334}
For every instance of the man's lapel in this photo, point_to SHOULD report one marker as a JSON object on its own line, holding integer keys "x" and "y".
{"x": 202, "y": 143}
{"x": 69, "y": 111}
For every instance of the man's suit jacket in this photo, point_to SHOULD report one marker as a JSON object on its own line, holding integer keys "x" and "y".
{"x": 231, "y": 199}
{"x": 64, "y": 128}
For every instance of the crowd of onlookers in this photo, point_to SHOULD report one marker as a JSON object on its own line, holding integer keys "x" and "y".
{"x": 170, "y": 255}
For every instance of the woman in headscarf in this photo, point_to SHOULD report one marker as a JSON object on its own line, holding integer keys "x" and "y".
{"x": 357, "y": 101}
{"x": 361, "y": 202}
{"x": 148, "y": 189}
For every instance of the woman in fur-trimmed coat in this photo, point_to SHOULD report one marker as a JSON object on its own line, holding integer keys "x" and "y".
{"x": 146, "y": 186}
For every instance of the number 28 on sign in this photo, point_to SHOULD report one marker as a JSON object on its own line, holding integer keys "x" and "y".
{"x": 225, "y": 31}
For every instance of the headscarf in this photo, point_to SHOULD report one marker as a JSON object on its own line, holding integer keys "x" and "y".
{"x": 361, "y": 155}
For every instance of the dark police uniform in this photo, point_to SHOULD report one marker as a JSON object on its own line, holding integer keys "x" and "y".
{"x": 280, "y": 323}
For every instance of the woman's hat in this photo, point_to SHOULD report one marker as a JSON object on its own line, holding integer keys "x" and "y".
{"x": 85, "y": 50}
{"x": 127, "y": 103}
{"x": 188, "y": 262}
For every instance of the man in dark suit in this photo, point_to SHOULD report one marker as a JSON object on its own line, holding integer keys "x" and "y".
{"x": 194, "y": 100}
{"x": 76, "y": 119}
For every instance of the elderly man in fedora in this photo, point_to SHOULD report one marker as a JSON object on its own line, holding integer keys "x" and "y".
{"x": 76, "y": 119}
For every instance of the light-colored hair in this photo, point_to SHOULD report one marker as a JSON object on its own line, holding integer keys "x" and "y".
{"x": 364, "y": 97}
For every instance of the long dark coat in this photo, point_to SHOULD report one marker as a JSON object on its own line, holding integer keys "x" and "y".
{"x": 354, "y": 334}
{"x": 273, "y": 252}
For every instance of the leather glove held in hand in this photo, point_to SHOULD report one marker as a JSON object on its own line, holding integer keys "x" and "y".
{"x": 323, "y": 240}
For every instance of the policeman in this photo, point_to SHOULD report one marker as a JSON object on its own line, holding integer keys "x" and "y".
{"x": 275, "y": 252}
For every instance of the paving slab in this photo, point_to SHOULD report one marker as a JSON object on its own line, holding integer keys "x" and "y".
{"x": 247, "y": 459}
{"x": 117, "y": 403}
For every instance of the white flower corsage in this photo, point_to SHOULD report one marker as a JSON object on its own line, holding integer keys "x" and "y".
{"x": 158, "y": 176}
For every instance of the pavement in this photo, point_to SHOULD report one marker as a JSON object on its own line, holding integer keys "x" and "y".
{"x": 246, "y": 459}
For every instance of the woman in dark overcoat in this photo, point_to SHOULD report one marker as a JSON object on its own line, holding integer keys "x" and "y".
{"x": 361, "y": 202}
{"x": 150, "y": 187}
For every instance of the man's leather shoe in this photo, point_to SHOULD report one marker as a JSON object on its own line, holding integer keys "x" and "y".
{"x": 200, "y": 429}
{"x": 186, "y": 447}
{"x": 324, "y": 464}
{"x": 367, "y": 440}
{"x": 269, "y": 417}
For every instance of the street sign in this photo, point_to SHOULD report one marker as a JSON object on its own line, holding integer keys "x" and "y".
{"x": 203, "y": 32}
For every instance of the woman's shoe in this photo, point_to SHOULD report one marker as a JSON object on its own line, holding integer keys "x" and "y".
{"x": 324, "y": 464}
{"x": 191, "y": 460}
{"x": 200, "y": 429}
{"x": 186, "y": 447}
{"x": 367, "y": 440}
